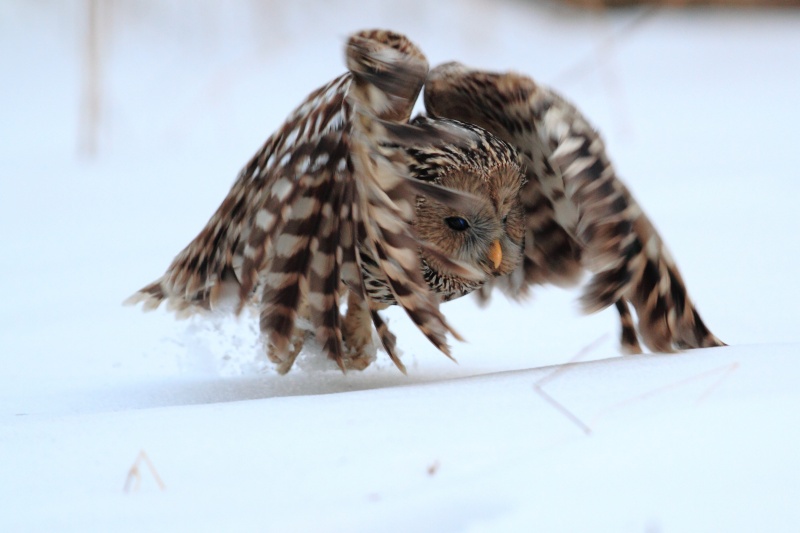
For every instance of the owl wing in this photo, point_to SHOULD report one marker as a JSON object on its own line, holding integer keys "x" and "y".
{"x": 579, "y": 212}
{"x": 333, "y": 180}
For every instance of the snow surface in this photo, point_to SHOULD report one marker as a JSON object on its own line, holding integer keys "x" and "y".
{"x": 525, "y": 433}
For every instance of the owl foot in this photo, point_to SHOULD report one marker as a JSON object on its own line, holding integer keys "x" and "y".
{"x": 284, "y": 359}
{"x": 357, "y": 335}
{"x": 358, "y": 360}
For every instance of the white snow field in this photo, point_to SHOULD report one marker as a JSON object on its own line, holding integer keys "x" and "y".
{"x": 541, "y": 426}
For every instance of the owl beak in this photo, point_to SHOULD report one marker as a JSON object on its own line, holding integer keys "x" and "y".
{"x": 496, "y": 254}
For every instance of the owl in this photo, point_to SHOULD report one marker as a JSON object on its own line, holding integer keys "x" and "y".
{"x": 503, "y": 184}
{"x": 350, "y": 201}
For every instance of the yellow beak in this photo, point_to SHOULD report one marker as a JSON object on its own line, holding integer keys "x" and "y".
{"x": 496, "y": 254}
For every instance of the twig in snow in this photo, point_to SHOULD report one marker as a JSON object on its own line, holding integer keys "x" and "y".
{"x": 582, "y": 353}
{"x": 91, "y": 91}
{"x": 134, "y": 479}
{"x": 725, "y": 371}
{"x": 728, "y": 370}
{"x": 563, "y": 410}
{"x": 538, "y": 386}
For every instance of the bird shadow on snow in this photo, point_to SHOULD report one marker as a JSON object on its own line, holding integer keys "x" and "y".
{"x": 217, "y": 365}
{"x": 707, "y": 367}
{"x": 148, "y": 393}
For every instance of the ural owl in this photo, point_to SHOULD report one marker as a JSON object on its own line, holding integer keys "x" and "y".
{"x": 504, "y": 183}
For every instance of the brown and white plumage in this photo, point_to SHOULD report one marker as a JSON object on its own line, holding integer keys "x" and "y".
{"x": 504, "y": 184}
{"x": 327, "y": 206}
{"x": 580, "y": 215}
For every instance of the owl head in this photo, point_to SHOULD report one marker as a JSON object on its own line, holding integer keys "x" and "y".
{"x": 488, "y": 233}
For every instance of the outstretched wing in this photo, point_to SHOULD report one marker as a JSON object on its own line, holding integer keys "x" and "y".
{"x": 333, "y": 180}
{"x": 257, "y": 206}
{"x": 579, "y": 212}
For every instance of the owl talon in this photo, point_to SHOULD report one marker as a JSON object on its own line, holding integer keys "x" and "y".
{"x": 359, "y": 361}
{"x": 284, "y": 360}
{"x": 358, "y": 355}
{"x": 357, "y": 335}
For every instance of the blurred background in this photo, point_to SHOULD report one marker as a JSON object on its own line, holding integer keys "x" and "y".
{"x": 125, "y": 122}
{"x": 115, "y": 72}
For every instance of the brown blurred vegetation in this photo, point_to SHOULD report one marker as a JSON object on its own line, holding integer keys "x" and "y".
{"x": 597, "y": 4}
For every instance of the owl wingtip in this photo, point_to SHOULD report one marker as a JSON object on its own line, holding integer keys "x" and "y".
{"x": 149, "y": 300}
{"x": 456, "y": 335}
{"x": 400, "y": 366}
{"x": 133, "y": 299}
{"x": 283, "y": 368}
{"x": 445, "y": 349}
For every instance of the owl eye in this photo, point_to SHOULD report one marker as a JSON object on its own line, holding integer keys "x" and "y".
{"x": 505, "y": 220}
{"x": 457, "y": 223}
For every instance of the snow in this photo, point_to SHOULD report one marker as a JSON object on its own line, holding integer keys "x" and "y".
{"x": 540, "y": 426}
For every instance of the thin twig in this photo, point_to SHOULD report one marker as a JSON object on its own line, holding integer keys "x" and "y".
{"x": 91, "y": 80}
{"x": 582, "y": 353}
{"x": 726, "y": 371}
{"x": 730, "y": 369}
{"x": 538, "y": 386}
{"x": 134, "y": 479}
{"x": 563, "y": 410}
{"x": 604, "y": 47}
